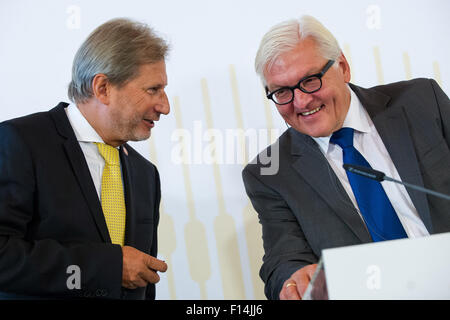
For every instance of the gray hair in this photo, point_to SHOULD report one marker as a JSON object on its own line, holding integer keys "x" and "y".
{"x": 117, "y": 49}
{"x": 286, "y": 35}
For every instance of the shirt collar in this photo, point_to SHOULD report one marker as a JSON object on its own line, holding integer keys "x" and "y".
{"x": 84, "y": 132}
{"x": 356, "y": 118}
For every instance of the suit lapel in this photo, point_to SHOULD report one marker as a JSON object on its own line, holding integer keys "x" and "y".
{"x": 312, "y": 165}
{"x": 80, "y": 168}
{"x": 128, "y": 189}
{"x": 392, "y": 126}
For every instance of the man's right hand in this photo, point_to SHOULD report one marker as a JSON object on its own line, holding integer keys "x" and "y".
{"x": 294, "y": 288}
{"x": 139, "y": 268}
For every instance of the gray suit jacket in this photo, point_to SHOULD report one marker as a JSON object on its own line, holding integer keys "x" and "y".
{"x": 304, "y": 209}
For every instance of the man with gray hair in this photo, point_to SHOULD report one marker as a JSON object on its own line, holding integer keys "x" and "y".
{"x": 312, "y": 203}
{"x": 79, "y": 208}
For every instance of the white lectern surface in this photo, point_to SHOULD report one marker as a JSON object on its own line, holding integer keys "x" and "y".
{"x": 399, "y": 269}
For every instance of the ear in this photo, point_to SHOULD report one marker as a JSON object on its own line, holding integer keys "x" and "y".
{"x": 101, "y": 88}
{"x": 345, "y": 67}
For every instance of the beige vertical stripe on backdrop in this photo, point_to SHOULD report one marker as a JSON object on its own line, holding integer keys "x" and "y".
{"x": 166, "y": 232}
{"x": 224, "y": 226}
{"x": 437, "y": 73}
{"x": 377, "y": 56}
{"x": 194, "y": 230}
{"x": 407, "y": 64}
{"x": 253, "y": 232}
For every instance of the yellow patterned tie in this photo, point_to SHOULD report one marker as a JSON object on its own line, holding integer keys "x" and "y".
{"x": 112, "y": 195}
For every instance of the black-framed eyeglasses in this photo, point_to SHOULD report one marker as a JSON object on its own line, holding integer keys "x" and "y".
{"x": 308, "y": 84}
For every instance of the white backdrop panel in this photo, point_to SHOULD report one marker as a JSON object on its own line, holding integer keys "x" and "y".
{"x": 209, "y": 234}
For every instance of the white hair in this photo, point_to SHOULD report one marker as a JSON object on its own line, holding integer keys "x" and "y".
{"x": 286, "y": 35}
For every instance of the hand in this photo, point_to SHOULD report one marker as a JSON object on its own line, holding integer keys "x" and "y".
{"x": 298, "y": 282}
{"x": 139, "y": 268}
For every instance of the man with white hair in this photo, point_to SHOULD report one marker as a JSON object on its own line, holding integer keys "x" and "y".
{"x": 312, "y": 203}
{"x": 79, "y": 208}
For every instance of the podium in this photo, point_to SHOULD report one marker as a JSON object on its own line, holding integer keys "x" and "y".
{"x": 404, "y": 269}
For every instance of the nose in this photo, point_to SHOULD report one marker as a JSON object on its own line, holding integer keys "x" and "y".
{"x": 301, "y": 99}
{"x": 163, "y": 105}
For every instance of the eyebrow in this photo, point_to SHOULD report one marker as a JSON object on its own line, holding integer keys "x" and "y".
{"x": 156, "y": 86}
{"x": 309, "y": 73}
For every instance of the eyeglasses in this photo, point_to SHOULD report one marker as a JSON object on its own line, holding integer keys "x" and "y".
{"x": 308, "y": 84}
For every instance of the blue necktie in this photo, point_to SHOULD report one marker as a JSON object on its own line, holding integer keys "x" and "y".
{"x": 375, "y": 207}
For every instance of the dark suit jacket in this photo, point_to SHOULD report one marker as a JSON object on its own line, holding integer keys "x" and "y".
{"x": 51, "y": 217}
{"x": 304, "y": 209}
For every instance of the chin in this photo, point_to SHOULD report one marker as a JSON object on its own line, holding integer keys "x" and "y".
{"x": 314, "y": 132}
{"x": 139, "y": 136}
{"x": 142, "y": 137}
{"x": 146, "y": 135}
{"x": 320, "y": 134}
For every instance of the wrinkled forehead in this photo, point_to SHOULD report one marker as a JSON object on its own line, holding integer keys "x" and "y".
{"x": 150, "y": 74}
{"x": 304, "y": 55}
{"x": 295, "y": 63}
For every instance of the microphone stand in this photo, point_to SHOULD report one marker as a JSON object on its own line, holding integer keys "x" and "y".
{"x": 380, "y": 176}
{"x": 412, "y": 186}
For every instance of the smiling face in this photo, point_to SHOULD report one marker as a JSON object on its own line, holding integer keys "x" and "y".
{"x": 135, "y": 106}
{"x": 318, "y": 114}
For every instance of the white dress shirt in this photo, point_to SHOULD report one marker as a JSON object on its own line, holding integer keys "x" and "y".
{"x": 368, "y": 142}
{"x": 87, "y": 136}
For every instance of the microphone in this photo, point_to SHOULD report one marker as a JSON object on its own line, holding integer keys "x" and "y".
{"x": 364, "y": 171}
{"x": 380, "y": 176}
